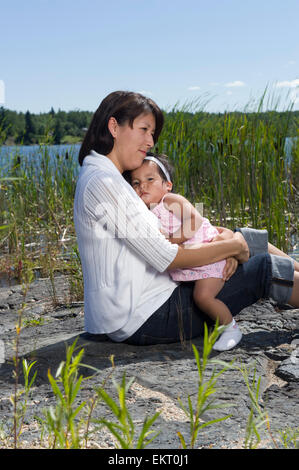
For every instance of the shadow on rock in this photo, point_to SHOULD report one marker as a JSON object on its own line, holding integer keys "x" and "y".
{"x": 265, "y": 339}
{"x": 98, "y": 350}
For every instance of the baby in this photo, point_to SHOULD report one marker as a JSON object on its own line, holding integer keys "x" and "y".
{"x": 182, "y": 223}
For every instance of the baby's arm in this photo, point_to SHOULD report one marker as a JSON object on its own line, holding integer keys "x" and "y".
{"x": 190, "y": 218}
{"x": 223, "y": 234}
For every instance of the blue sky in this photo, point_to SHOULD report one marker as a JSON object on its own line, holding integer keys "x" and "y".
{"x": 70, "y": 54}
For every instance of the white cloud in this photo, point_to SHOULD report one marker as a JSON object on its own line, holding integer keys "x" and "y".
{"x": 229, "y": 92}
{"x": 294, "y": 96}
{"x": 192, "y": 88}
{"x": 288, "y": 84}
{"x": 2, "y": 92}
{"x": 236, "y": 83}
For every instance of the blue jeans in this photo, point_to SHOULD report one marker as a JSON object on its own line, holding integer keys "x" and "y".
{"x": 180, "y": 319}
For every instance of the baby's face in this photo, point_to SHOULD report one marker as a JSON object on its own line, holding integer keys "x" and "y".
{"x": 148, "y": 183}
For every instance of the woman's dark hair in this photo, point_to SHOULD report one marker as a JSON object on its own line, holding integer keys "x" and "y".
{"x": 163, "y": 159}
{"x": 124, "y": 106}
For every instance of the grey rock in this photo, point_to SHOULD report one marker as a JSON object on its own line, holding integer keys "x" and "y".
{"x": 289, "y": 369}
{"x": 163, "y": 373}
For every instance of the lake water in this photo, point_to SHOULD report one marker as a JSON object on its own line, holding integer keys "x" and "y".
{"x": 33, "y": 150}
{"x": 72, "y": 151}
{"x": 26, "y": 154}
{"x": 33, "y": 153}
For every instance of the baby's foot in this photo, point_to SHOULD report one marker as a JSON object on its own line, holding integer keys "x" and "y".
{"x": 229, "y": 338}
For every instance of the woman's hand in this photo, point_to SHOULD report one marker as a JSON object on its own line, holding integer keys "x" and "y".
{"x": 230, "y": 268}
{"x": 243, "y": 255}
{"x": 200, "y": 254}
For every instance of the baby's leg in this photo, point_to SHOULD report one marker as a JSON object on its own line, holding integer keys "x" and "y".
{"x": 204, "y": 294}
{"x": 294, "y": 300}
{"x": 275, "y": 251}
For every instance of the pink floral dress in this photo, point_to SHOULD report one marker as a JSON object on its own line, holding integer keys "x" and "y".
{"x": 170, "y": 223}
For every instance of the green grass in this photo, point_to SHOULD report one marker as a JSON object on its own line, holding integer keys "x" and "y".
{"x": 234, "y": 163}
{"x": 237, "y": 167}
{"x": 36, "y": 216}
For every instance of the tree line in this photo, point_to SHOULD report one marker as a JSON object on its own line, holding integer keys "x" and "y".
{"x": 58, "y": 127}
{"x": 51, "y": 127}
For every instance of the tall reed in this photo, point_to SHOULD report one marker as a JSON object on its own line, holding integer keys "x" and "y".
{"x": 236, "y": 165}
{"x": 36, "y": 208}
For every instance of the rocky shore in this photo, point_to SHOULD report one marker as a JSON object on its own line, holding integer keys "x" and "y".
{"x": 162, "y": 373}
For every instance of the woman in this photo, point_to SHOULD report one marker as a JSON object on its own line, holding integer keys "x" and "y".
{"x": 128, "y": 293}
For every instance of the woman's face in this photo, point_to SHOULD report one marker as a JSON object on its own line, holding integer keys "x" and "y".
{"x": 132, "y": 143}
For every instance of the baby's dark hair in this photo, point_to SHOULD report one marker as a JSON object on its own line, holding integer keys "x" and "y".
{"x": 163, "y": 159}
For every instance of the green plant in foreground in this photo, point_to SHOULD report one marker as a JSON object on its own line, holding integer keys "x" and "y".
{"x": 67, "y": 424}
{"x": 28, "y": 322}
{"x": 20, "y": 406}
{"x": 207, "y": 386}
{"x": 60, "y": 422}
{"x": 18, "y": 415}
{"x": 290, "y": 438}
{"x": 124, "y": 429}
{"x": 258, "y": 418}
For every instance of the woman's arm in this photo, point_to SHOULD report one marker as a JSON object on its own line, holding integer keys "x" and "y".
{"x": 207, "y": 253}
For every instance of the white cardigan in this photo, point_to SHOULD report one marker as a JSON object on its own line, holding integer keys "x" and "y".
{"x": 124, "y": 256}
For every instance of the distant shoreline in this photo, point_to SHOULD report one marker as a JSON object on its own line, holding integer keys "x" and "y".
{"x": 14, "y": 144}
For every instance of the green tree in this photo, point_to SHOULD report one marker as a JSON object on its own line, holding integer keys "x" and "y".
{"x": 29, "y": 134}
{"x": 58, "y": 132}
{"x": 3, "y": 125}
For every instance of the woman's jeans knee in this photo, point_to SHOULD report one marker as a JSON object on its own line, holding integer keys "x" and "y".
{"x": 282, "y": 268}
{"x": 282, "y": 278}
